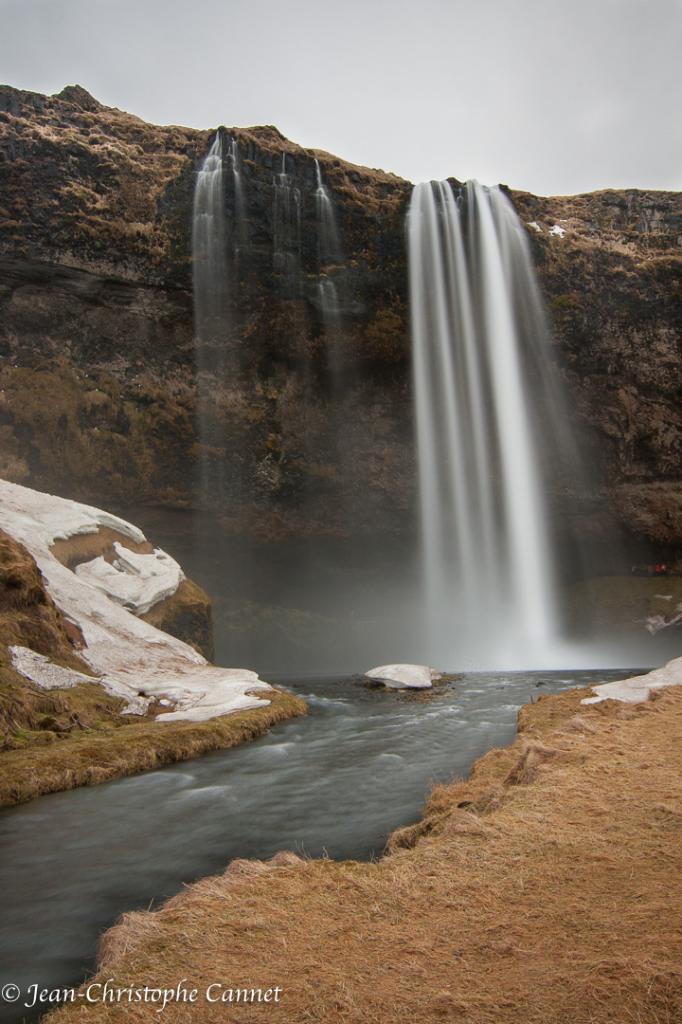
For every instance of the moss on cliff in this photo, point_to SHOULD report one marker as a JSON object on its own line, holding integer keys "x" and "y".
{"x": 186, "y": 615}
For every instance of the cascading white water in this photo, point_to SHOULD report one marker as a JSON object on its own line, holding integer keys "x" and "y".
{"x": 234, "y": 159}
{"x": 487, "y": 561}
{"x": 329, "y": 249}
{"x": 209, "y": 254}
{"x": 287, "y": 226}
{"x": 328, "y": 233}
{"x": 211, "y": 303}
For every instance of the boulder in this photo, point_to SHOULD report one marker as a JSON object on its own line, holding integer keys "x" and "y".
{"x": 404, "y": 677}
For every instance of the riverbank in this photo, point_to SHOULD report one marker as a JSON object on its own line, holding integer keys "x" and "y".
{"x": 90, "y": 688}
{"x": 117, "y": 748}
{"x": 536, "y": 892}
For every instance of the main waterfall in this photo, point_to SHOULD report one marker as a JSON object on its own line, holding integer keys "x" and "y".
{"x": 476, "y": 332}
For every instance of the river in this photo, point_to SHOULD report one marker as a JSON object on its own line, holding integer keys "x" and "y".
{"x": 335, "y": 783}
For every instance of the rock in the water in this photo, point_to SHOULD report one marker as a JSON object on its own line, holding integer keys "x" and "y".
{"x": 404, "y": 677}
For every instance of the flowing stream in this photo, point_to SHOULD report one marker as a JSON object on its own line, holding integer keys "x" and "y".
{"x": 336, "y": 782}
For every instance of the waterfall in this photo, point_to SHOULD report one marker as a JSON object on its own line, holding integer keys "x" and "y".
{"x": 476, "y": 321}
{"x": 209, "y": 253}
{"x": 329, "y": 245}
{"x": 218, "y": 247}
{"x": 287, "y": 227}
{"x": 328, "y": 250}
{"x": 211, "y": 306}
{"x": 234, "y": 159}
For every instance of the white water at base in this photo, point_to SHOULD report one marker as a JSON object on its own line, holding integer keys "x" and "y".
{"x": 488, "y": 575}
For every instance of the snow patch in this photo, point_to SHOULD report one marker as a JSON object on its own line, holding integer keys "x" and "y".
{"x": 43, "y": 672}
{"x": 638, "y": 688}
{"x": 136, "y": 581}
{"x": 71, "y": 518}
{"x": 534, "y": 224}
{"x": 132, "y": 659}
{"x": 402, "y": 677}
{"x": 556, "y": 229}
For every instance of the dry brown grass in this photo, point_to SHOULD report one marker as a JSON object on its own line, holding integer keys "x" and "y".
{"x": 549, "y": 896}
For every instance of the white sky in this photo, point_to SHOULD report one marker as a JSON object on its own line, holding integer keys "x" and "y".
{"x": 555, "y": 96}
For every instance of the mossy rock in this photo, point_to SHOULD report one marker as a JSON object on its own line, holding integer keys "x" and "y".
{"x": 187, "y": 616}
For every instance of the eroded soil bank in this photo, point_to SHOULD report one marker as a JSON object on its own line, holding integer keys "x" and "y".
{"x": 541, "y": 890}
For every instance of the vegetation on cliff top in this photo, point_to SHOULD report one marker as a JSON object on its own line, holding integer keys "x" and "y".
{"x": 101, "y": 185}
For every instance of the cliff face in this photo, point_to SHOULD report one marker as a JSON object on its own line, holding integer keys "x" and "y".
{"x": 614, "y": 288}
{"x": 99, "y": 394}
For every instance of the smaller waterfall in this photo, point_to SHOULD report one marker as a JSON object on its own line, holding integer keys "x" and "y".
{"x": 209, "y": 251}
{"x": 287, "y": 226}
{"x": 234, "y": 160}
{"x": 487, "y": 563}
{"x": 218, "y": 249}
{"x": 211, "y": 304}
{"x": 329, "y": 245}
{"x": 342, "y": 379}
{"x": 329, "y": 257}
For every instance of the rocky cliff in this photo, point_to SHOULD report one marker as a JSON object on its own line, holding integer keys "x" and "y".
{"x": 100, "y": 385}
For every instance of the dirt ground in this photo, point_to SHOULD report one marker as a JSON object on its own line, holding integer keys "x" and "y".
{"x": 544, "y": 890}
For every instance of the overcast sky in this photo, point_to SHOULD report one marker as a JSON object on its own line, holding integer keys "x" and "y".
{"x": 555, "y": 96}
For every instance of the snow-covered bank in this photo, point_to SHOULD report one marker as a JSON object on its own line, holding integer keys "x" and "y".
{"x": 636, "y": 689}
{"x": 136, "y": 581}
{"x": 130, "y": 658}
